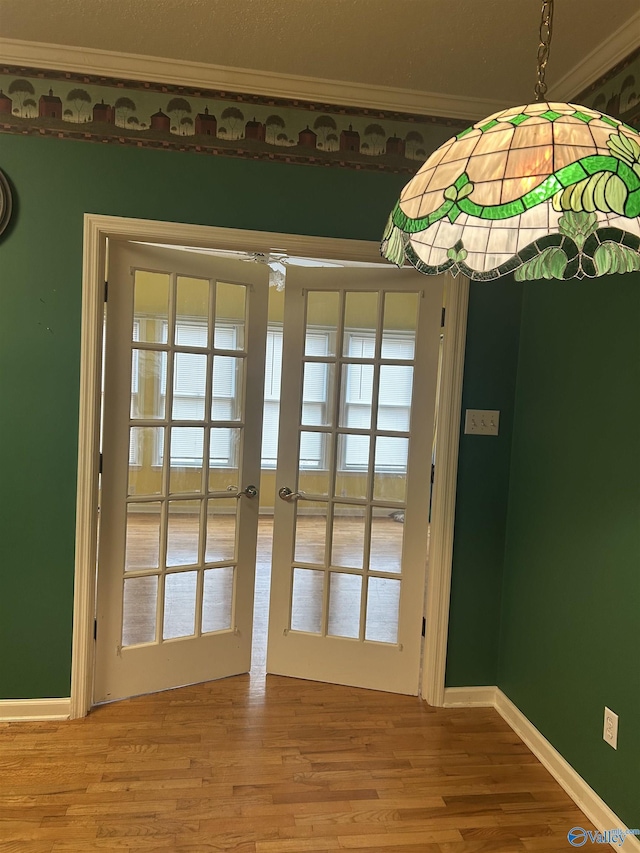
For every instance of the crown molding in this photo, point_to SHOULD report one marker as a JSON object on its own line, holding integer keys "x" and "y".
{"x": 242, "y": 80}
{"x": 606, "y": 56}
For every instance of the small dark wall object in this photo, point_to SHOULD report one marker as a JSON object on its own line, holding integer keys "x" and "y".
{"x": 5, "y": 202}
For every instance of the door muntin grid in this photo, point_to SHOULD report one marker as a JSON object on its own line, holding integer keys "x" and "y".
{"x": 186, "y": 429}
{"x": 346, "y": 568}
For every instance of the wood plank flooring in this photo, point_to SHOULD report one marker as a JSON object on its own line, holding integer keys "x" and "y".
{"x": 277, "y": 765}
{"x": 248, "y": 765}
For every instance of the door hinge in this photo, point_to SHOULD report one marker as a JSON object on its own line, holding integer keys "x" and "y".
{"x": 95, "y": 629}
{"x": 106, "y": 291}
{"x": 424, "y": 627}
{"x": 444, "y": 311}
{"x": 100, "y": 464}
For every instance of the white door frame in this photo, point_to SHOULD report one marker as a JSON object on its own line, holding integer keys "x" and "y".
{"x": 97, "y": 231}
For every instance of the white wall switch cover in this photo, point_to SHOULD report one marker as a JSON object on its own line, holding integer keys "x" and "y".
{"x": 481, "y": 422}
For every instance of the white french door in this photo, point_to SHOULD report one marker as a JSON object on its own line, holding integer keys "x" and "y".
{"x": 354, "y": 469}
{"x": 183, "y": 390}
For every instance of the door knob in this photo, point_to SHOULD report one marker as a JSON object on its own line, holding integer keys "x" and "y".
{"x": 287, "y": 495}
{"x": 249, "y": 492}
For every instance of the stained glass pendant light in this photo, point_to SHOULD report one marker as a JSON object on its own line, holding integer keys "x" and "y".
{"x": 545, "y": 190}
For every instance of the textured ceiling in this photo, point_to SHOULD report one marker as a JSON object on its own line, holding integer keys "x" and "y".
{"x": 464, "y": 48}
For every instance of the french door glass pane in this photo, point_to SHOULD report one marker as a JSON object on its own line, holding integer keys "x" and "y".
{"x": 186, "y": 459}
{"x": 323, "y": 309}
{"x": 142, "y": 548}
{"x": 315, "y": 453}
{"x": 183, "y": 533}
{"x": 224, "y": 458}
{"x": 231, "y": 307}
{"x": 179, "y": 605}
{"x": 383, "y": 602}
{"x": 148, "y": 377}
{"x": 361, "y": 314}
{"x": 192, "y": 311}
{"x": 344, "y": 605}
{"x": 226, "y": 399}
{"x": 348, "y": 536}
{"x": 312, "y": 451}
{"x": 399, "y": 325}
{"x": 221, "y": 530}
{"x": 311, "y": 532}
{"x": 394, "y": 400}
{"x": 387, "y": 536}
{"x": 145, "y": 475}
{"x": 352, "y": 478}
{"x": 217, "y": 600}
{"x": 354, "y": 453}
{"x": 317, "y": 401}
{"x": 150, "y": 306}
{"x": 307, "y": 600}
{"x": 390, "y": 468}
{"x": 139, "y": 607}
{"x": 189, "y": 386}
{"x": 357, "y": 385}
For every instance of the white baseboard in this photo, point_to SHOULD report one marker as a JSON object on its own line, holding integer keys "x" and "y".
{"x": 580, "y": 792}
{"x": 28, "y": 710}
{"x": 470, "y": 697}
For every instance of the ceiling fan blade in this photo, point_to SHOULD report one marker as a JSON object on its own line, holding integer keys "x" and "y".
{"x": 309, "y": 262}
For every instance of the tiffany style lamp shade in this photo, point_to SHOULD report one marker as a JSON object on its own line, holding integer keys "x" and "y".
{"x": 547, "y": 190}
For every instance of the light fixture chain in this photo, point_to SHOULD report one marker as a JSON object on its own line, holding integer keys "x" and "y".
{"x": 544, "y": 48}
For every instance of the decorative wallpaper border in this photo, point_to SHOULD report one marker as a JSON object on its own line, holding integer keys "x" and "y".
{"x": 101, "y": 109}
{"x": 617, "y": 92}
{"x": 118, "y": 111}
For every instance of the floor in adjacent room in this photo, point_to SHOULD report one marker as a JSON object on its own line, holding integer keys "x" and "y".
{"x": 256, "y": 764}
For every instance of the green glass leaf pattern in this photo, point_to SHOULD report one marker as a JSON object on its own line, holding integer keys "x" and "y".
{"x": 393, "y": 243}
{"x": 603, "y": 191}
{"x": 550, "y": 263}
{"x": 612, "y": 257}
{"x": 578, "y": 226}
{"x": 458, "y": 252}
{"x": 452, "y": 193}
{"x": 624, "y": 148}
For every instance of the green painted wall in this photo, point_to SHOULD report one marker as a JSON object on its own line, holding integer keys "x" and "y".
{"x": 56, "y": 182}
{"x": 571, "y": 596}
{"x": 491, "y": 358}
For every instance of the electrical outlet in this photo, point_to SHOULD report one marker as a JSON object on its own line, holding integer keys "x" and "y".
{"x": 610, "y": 733}
{"x": 481, "y": 422}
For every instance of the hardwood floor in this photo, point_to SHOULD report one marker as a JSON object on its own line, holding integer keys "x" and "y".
{"x": 277, "y": 765}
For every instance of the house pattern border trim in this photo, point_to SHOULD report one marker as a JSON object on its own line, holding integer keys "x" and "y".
{"x": 151, "y": 114}
{"x": 301, "y": 131}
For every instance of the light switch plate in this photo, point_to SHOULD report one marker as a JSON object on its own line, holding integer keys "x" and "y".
{"x": 481, "y": 422}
